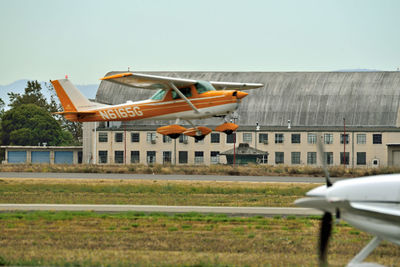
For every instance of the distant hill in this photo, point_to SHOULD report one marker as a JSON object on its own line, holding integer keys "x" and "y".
{"x": 357, "y": 70}
{"x": 88, "y": 90}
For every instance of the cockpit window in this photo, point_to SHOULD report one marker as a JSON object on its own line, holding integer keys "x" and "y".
{"x": 187, "y": 91}
{"x": 203, "y": 86}
{"x": 159, "y": 95}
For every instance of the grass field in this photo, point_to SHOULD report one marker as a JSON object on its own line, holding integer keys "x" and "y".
{"x": 247, "y": 170}
{"x": 137, "y": 239}
{"x": 143, "y": 192}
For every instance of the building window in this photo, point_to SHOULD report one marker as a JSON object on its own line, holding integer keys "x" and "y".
{"x": 295, "y": 138}
{"x": 263, "y": 138}
{"x": 311, "y": 158}
{"x": 103, "y": 155}
{"x": 198, "y": 157}
{"x": 361, "y": 139}
{"x": 166, "y": 139}
{"x": 119, "y": 137}
{"x": 231, "y": 138}
{"x": 377, "y": 138}
{"x": 329, "y": 158}
{"x": 119, "y": 156}
{"x": 167, "y": 155}
{"x": 183, "y": 139}
{"x": 135, "y": 137}
{"x": 151, "y": 138}
{"x": 135, "y": 156}
{"x": 151, "y": 157}
{"x": 342, "y": 136}
{"x": 214, "y": 138}
{"x": 295, "y": 157}
{"x": 247, "y": 137}
{"x": 328, "y": 139}
{"x": 214, "y": 157}
{"x": 278, "y": 138}
{"x": 183, "y": 157}
{"x": 346, "y": 158}
{"x": 312, "y": 139}
{"x": 279, "y": 158}
{"x": 103, "y": 137}
{"x": 361, "y": 158}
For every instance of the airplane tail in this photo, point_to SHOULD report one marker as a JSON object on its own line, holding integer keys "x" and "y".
{"x": 72, "y": 100}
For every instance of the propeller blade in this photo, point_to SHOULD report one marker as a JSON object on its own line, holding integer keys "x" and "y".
{"x": 321, "y": 152}
{"x": 325, "y": 233}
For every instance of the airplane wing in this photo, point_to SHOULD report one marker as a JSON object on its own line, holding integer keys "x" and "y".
{"x": 154, "y": 82}
{"x": 235, "y": 86}
{"x": 147, "y": 81}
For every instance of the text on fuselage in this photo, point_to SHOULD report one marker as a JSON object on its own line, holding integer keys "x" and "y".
{"x": 121, "y": 113}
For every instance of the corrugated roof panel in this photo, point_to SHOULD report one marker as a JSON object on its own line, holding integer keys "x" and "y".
{"x": 306, "y": 98}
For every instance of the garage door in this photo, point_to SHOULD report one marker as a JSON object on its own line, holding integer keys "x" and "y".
{"x": 16, "y": 156}
{"x": 40, "y": 156}
{"x": 63, "y": 157}
{"x": 396, "y": 158}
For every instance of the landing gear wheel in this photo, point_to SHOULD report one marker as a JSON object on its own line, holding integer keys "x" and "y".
{"x": 174, "y": 136}
{"x": 199, "y": 137}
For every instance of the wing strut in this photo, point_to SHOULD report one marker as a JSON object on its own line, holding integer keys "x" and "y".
{"x": 183, "y": 97}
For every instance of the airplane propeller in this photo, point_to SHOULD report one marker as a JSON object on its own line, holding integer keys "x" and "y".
{"x": 325, "y": 234}
{"x": 326, "y": 223}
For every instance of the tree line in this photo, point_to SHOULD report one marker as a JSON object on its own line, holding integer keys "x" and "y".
{"x": 31, "y": 121}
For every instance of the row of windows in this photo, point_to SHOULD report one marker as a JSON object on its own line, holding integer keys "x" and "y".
{"x": 247, "y": 138}
{"x": 151, "y": 157}
{"x": 312, "y": 158}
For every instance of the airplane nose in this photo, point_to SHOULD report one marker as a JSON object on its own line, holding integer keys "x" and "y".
{"x": 240, "y": 94}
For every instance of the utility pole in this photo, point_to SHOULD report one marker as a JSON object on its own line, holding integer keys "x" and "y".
{"x": 344, "y": 142}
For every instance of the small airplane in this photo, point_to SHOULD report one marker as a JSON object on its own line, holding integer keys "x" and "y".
{"x": 371, "y": 204}
{"x": 175, "y": 98}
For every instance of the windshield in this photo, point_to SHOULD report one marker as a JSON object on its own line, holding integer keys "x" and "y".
{"x": 159, "y": 95}
{"x": 203, "y": 86}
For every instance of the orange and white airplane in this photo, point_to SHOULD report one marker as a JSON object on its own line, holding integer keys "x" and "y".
{"x": 176, "y": 98}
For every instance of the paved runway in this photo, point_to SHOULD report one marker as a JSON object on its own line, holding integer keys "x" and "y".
{"x": 234, "y": 211}
{"x": 284, "y": 179}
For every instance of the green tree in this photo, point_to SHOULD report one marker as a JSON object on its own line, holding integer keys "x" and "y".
{"x": 1, "y": 107}
{"x": 28, "y": 124}
{"x": 33, "y": 95}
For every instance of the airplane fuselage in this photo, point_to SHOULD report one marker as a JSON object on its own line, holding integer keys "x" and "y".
{"x": 208, "y": 104}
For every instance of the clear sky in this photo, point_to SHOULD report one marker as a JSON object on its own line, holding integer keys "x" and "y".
{"x": 46, "y": 39}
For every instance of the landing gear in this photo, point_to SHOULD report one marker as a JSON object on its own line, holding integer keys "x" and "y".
{"x": 198, "y": 133}
{"x": 173, "y": 131}
{"x": 227, "y": 128}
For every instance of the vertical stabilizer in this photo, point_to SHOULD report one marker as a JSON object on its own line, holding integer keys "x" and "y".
{"x": 70, "y": 97}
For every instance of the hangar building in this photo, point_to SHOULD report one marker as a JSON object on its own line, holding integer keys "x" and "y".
{"x": 292, "y": 110}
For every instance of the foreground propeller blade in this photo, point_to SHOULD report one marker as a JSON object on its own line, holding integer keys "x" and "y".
{"x": 325, "y": 233}
{"x": 322, "y": 156}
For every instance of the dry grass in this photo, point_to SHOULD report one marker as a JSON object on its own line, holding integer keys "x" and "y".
{"x": 133, "y": 239}
{"x": 144, "y": 192}
{"x": 252, "y": 170}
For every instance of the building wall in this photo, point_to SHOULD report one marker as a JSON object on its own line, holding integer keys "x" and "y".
{"x": 372, "y": 151}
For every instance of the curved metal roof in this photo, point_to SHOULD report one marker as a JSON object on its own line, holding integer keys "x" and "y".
{"x": 368, "y": 99}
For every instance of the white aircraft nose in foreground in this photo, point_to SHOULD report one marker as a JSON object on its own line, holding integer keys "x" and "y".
{"x": 371, "y": 204}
